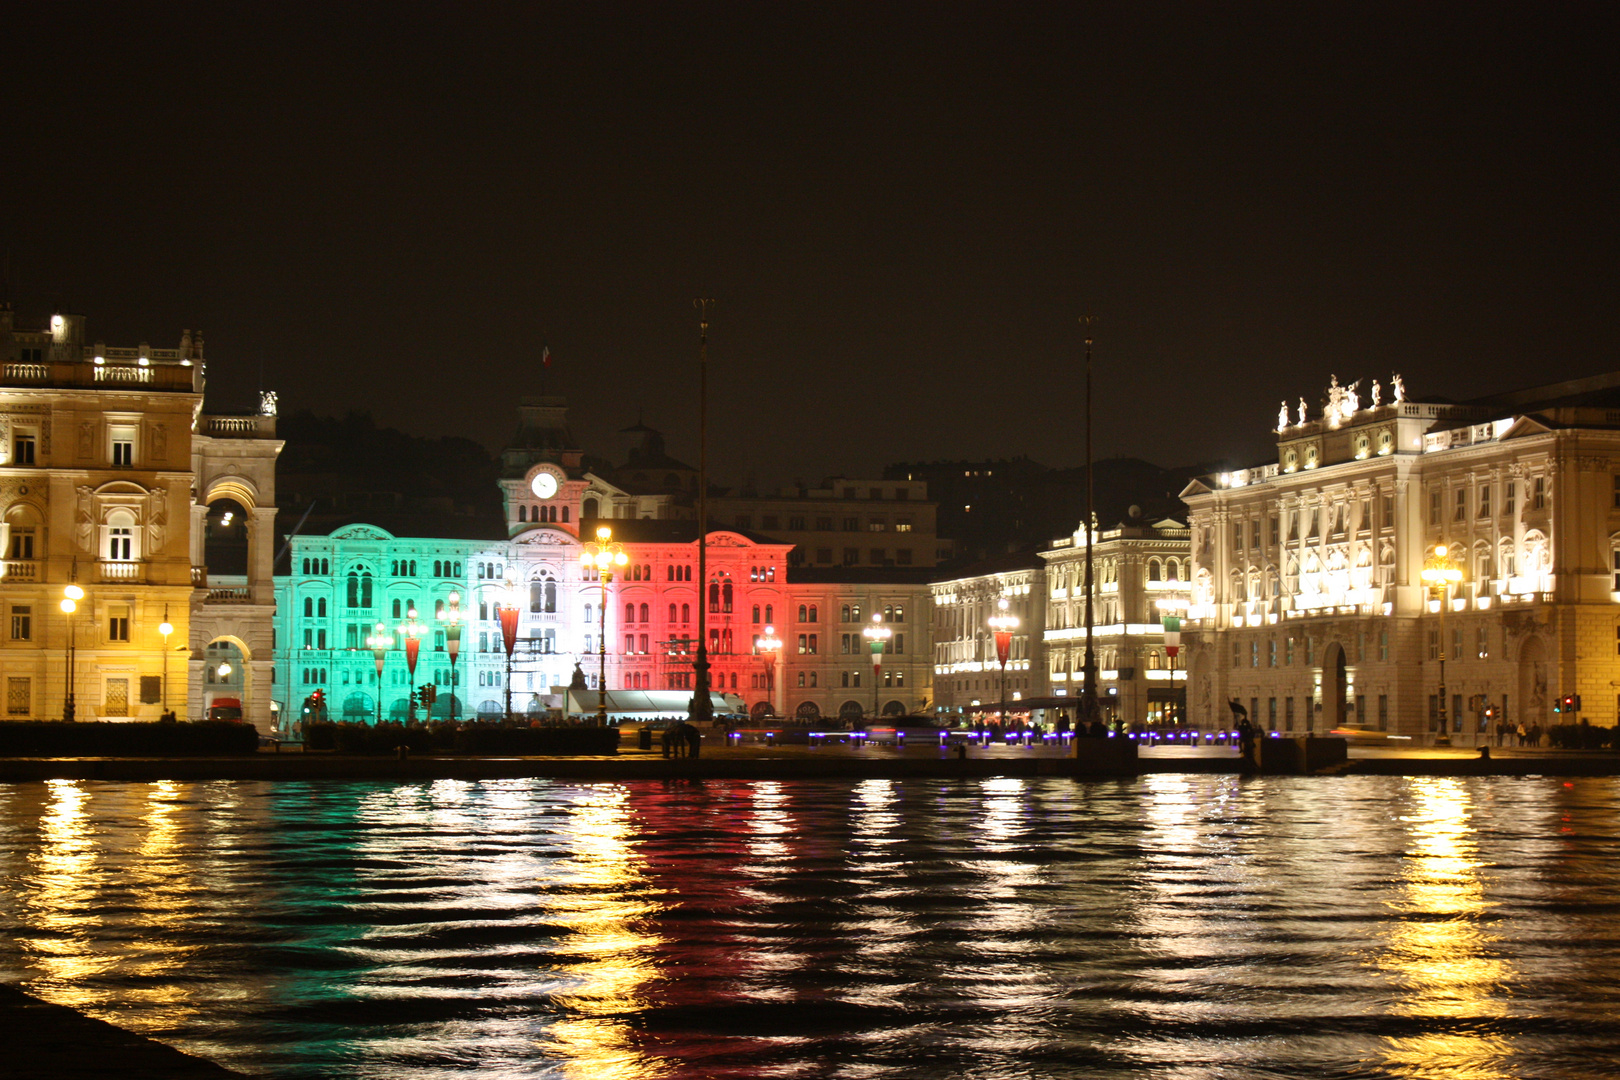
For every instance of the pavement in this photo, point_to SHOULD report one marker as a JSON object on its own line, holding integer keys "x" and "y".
{"x": 54, "y": 1042}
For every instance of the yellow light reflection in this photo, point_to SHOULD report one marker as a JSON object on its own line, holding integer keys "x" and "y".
{"x": 59, "y": 898}
{"x": 1440, "y": 957}
{"x": 612, "y": 951}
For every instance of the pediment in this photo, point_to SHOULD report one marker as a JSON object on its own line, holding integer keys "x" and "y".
{"x": 361, "y": 532}
{"x": 1197, "y": 487}
{"x": 545, "y": 537}
{"x": 1523, "y": 426}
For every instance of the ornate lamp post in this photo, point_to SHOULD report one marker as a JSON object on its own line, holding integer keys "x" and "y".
{"x": 1170, "y": 612}
{"x": 1440, "y": 573}
{"x": 71, "y": 595}
{"x": 165, "y": 628}
{"x": 769, "y": 646}
{"x": 411, "y": 631}
{"x": 601, "y": 556}
{"x": 379, "y": 642}
{"x": 507, "y": 612}
{"x": 878, "y": 636}
{"x": 1003, "y": 623}
{"x": 451, "y": 617}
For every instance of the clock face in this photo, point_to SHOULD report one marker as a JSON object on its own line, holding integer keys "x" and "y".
{"x": 544, "y": 485}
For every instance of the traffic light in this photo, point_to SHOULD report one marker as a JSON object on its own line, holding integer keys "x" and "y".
{"x": 429, "y": 696}
{"x": 1568, "y": 703}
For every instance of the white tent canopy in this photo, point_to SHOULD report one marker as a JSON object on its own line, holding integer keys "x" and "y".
{"x": 646, "y": 704}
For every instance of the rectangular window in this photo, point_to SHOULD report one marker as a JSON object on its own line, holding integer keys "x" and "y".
{"x": 1271, "y": 714}
{"x": 876, "y": 525}
{"x": 812, "y": 644}
{"x": 899, "y": 645}
{"x": 744, "y": 521}
{"x": 22, "y": 622}
{"x": 880, "y": 556}
{"x": 1389, "y": 512}
{"x": 1271, "y": 653}
{"x": 1288, "y": 652}
{"x": 122, "y": 438}
{"x": 22, "y": 542}
{"x": 1274, "y": 530}
{"x": 1459, "y": 509}
{"x": 152, "y": 689}
{"x": 804, "y": 644}
{"x": 1482, "y": 644}
{"x": 1237, "y": 654}
{"x": 824, "y": 524}
{"x": 1510, "y": 492}
{"x": 1484, "y": 508}
{"x": 1434, "y": 506}
{"x": 1254, "y": 654}
{"x": 1254, "y": 534}
{"x": 1288, "y": 714}
{"x": 118, "y": 622}
{"x": 18, "y": 695}
{"x": 1434, "y": 644}
{"x": 1383, "y": 712}
{"x": 1237, "y": 536}
{"x": 1383, "y": 645}
{"x": 1456, "y": 643}
{"x": 1538, "y": 494}
{"x": 902, "y": 525}
{"x": 852, "y": 556}
{"x": 22, "y": 448}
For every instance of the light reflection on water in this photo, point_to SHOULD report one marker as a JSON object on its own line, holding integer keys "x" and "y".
{"x": 1183, "y": 926}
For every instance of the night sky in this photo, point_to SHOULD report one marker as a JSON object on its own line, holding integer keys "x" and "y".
{"x": 902, "y": 211}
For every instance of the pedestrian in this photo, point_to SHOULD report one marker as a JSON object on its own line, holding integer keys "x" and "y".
{"x": 1523, "y": 733}
{"x": 1246, "y": 740}
{"x": 694, "y": 738}
{"x": 1535, "y": 734}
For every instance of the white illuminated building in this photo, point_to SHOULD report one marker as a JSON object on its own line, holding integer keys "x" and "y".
{"x": 967, "y": 671}
{"x": 1308, "y": 606}
{"x": 1137, "y": 567}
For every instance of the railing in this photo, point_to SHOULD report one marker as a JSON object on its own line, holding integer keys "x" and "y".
{"x": 121, "y": 571}
{"x": 239, "y": 427}
{"x": 76, "y": 373}
{"x": 21, "y": 570}
{"x": 230, "y": 596}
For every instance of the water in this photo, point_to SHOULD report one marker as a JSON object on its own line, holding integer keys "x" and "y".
{"x": 1186, "y": 927}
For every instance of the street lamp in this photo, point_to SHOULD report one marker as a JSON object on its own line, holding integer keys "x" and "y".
{"x": 506, "y": 610}
{"x": 601, "y": 556}
{"x": 1170, "y": 612}
{"x": 412, "y": 632}
{"x": 1440, "y": 574}
{"x": 1003, "y": 623}
{"x": 165, "y": 628}
{"x": 878, "y": 635}
{"x": 770, "y": 647}
{"x": 451, "y": 617}
{"x": 379, "y": 643}
{"x": 71, "y": 595}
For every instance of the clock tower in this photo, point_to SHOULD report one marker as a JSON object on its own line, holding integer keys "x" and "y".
{"x": 544, "y": 496}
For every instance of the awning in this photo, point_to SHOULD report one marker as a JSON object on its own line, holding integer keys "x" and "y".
{"x": 1025, "y": 704}
{"x": 645, "y": 704}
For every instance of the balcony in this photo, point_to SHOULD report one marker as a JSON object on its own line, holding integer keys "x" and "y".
{"x": 120, "y": 573}
{"x": 237, "y": 427}
{"x": 229, "y": 596}
{"x": 21, "y": 570}
{"x": 73, "y": 374}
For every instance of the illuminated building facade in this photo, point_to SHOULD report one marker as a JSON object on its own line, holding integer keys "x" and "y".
{"x": 1142, "y": 572}
{"x": 844, "y": 522}
{"x": 967, "y": 671}
{"x": 114, "y": 480}
{"x": 1308, "y": 602}
{"x": 342, "y": 585}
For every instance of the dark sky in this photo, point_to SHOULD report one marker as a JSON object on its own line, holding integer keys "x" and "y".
{"x": 902, "y": 210}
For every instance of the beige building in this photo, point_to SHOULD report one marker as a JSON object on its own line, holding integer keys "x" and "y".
{"x": 116, "y": 483}
{"x": 1309, "y": 605}
{"x": 1142, "y": 572}
{"x": 967, "y": 668}
{"x": 853, "y": 523}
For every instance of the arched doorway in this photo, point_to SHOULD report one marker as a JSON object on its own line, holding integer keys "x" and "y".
{"x": 808, "y": 710}
{"x": 1532, "y": 684}
{"x": 850, "y": 710}
{"x": 760, "y": 710}
{"x": 357, "y": 708}
{"x": 1334, "y": 687}
{"x": 227, "y": 684}
{"x": 894, "y": 708}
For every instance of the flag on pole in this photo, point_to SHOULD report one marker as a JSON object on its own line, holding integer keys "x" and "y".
{"x": 545, "y": 355}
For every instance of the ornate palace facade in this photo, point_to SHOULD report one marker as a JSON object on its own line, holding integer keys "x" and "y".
{"x": 1309, "y": 605}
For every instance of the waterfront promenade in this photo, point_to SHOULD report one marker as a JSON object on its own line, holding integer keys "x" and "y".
{"x": 758, "y": 762}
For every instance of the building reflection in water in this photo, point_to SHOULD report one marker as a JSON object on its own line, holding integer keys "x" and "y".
{"x": 59, "y": 898}
{"x": 1438, "y": 952}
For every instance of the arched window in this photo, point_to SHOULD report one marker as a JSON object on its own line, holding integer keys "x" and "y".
{"x": 354, "y": 589}
{"x": 589, "y": 508}
{"x": 1154, "y": 570}
{"x": 725, "y": 595}
{"x": 543, "y": 593}
{"x": 629, "y": 613}
{"x": 565, "y": 514}
{"x": 320, "y": 606}
{"x": 645, "y": 612}
{"x": 814, "y": 614}
{"x": 686, "y": 613}
{"x": 843, "y": 613}
{"x": 672, "y": 613}
{"x": 119, "y": 545}
{"x": 804, "y": 613}
{"x": 756, "y": 613}
{"x": 770, "y": 617}
{"x": 365, "y": 588}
